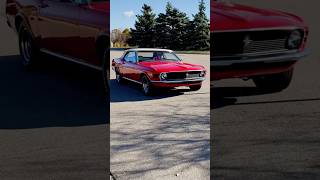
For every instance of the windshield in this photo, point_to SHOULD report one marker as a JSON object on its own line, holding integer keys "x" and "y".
{"x": 157, "y": 56}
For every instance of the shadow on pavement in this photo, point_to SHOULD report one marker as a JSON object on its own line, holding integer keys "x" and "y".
{"x": 54, "y": 94}
{"x": 165, "y": 141}
{"x": 132, "y": 92}
{"x": 225, "y": 96}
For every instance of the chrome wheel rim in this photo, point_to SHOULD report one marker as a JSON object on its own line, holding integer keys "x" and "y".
{"x": 145, "y": 86}
{"x": 26, "y": 47}
{"x": 118, "y": 78}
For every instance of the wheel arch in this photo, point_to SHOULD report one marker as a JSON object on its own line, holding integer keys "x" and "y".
{"x": 102, "y": 43}
{"x": 19, "y": 19}
{"x": 144, "y": 74}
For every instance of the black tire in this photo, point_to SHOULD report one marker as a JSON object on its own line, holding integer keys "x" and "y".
{"x": 195, "y": 87}
{"x": 146, "y": 86}
{"x": 106, "y": 71}
{"x": 274, "y": 82}
{"x": 28, "y": 49}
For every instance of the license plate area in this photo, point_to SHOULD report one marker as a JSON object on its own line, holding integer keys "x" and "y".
{"x": 192, "y": 75}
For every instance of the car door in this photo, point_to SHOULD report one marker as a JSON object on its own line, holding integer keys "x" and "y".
{"x": 128, "y": 66}
{"x": 93, "y": 21}
{"x": 58, "y": 26}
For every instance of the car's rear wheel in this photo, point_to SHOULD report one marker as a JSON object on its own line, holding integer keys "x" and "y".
{"x": 195, "y": 87}
{"x": 146, "y": 86}
{"x": 274, "y": 82}
{"x": 28, "y": 49}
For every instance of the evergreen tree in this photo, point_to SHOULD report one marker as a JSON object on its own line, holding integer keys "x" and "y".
{"x": 201, "y": 29}
{"x": 162, "y": 31}
{"x": 188, "y": 38}
{"x": 171, "y": 28}
{"x": 143, "y": 34}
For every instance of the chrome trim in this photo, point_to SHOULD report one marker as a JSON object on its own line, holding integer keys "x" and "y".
{"x": 161, "y": 74}
{"x": 265, "y": 53}
{"x": 261, "y": 53}
{"x": 132, "y": 80}
{"x": 259, "y": 29}
{"x": 74, "y": 60}
{"x": 104, "y": 34}
{"x": 247, "y": 59}
{"x": 180, "y": 81}
{"x": 183, "y": 71}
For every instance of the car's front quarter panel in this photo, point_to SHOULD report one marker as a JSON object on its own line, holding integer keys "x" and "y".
{"x": 94, "y": 30}
{"x": 23, "y": 10}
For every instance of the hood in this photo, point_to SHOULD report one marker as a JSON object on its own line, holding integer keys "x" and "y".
{"x": 228, "y": 16}
{"x": 99, "y": 6}
{"x": 167, "y": 66}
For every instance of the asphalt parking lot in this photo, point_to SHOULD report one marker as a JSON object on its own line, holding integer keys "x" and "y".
{"x": 270, "y": 136}
{"x": 165, "y": 136}
{"x": 53, "y": 119}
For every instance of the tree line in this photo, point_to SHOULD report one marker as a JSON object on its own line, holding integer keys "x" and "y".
{"x": 172, "y": 29}
{"x": 119, "y": 39}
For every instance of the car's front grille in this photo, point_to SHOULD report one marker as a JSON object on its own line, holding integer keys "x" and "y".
{"x": 182, "y": 75}
{"x": 176, "y": 75}
{"x": 249, "y": 42}
{"x": 265, "y": 46}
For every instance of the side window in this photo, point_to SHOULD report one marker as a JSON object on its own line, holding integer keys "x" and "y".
{"x": 130, "y": 57}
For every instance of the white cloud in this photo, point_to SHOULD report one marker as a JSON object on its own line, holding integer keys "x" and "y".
{"x": 129, "y": 14}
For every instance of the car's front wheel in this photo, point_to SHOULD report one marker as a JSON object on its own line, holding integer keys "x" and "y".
{"x": 274, "y": 82}
{"x": 146, "y": 85}
{"x": 119, "y": 78}
{"x": 195, "y": 87}
{"x": 28, "y": 49}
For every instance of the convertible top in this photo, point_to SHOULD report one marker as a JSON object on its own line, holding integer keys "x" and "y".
{"x": 149, "y": 49}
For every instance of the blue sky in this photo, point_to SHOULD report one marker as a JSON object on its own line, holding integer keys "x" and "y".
{"x": 123, "y": 12}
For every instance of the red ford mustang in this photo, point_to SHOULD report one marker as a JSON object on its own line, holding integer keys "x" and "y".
{"x": 156, "y": 68}
{"x": 258, "y": 44}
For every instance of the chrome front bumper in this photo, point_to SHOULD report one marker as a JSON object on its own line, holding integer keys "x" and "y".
{"x": 181, "y": 81}
{"x": 266, "y": 58}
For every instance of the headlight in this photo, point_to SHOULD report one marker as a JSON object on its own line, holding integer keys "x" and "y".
{"x": 163, "y": 76}
{"x": 294, "y": 40}
{"x": 202, "y": 74}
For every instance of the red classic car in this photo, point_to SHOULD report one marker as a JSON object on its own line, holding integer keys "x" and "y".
{"x": 258, "y": 44}
{"x": 157, "y": 68}
{"x": 75, "y": 30}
